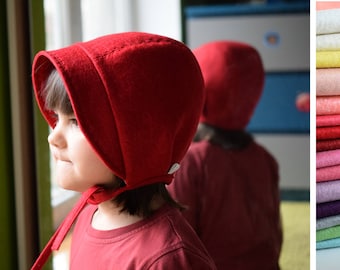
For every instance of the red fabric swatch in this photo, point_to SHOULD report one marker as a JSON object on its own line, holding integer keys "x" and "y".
{"x": 324, "y": 145}
{"x": 332, "y": 132}
{"x": 328, "y": 120}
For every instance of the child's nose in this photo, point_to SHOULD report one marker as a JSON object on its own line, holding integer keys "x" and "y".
{"x": 56, "y": 137}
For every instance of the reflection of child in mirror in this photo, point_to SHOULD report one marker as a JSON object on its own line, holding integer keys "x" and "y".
{"x": 229, "y": 182}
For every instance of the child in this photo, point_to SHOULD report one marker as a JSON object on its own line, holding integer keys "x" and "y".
{"x": 227, "y": 180}
{"x": 123, "y": 109}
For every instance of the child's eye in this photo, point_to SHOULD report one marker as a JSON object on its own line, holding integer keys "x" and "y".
{"x": 73, "y": 121}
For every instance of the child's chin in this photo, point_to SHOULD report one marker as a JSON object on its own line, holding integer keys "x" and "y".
{"x": 65, "y": 185}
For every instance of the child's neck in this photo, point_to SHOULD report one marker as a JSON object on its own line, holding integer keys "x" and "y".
{"x": 108, "y": 216}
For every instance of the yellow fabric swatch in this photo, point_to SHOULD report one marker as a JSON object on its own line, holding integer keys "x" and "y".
{"x": 328, "y": 59}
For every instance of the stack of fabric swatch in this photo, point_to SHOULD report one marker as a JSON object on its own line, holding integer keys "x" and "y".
{"x": 328, "y": 127}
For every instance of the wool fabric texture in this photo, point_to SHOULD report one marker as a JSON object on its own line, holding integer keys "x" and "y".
{"x": 331, "y": 243}
{"x": 326, "y": 105}
{"x": 328, "y": 81}
{"x": 327, "y": 209}
{"x": 137, "y": 98}
{"x": 327, "y": 21}
{"x": 321, "y": 5}
{"x": 328, "y": 191}
{"x": 231, "y": 100}
{"x": 329, "y": 173}
{"x": 327, "y": 158}
{"x": 328, "y": 59}
{"x": 327, "y": 222}
{"x": 328, "y": 120}
{"x": 323, "y": 133}
{"x": 328, "y": 42}
{"x": 330, "y": 144}
{"x": 328, "y": 233}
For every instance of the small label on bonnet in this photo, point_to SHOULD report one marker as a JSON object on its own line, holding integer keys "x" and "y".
{"x": 174, "y": 168}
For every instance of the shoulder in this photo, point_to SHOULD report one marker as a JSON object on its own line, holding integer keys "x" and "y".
{"x": 183, "y": 259}
{"x": 180, "y": 247}
{"x": 197, "y": 152}
{"x": 261, "y": 149}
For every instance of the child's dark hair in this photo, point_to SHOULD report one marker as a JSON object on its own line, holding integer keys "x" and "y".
{"x": 135, "y": 202}
{"x": 138, "y": 201}
{"x": 55, "y": 95}
{"x": 228, "y": 139}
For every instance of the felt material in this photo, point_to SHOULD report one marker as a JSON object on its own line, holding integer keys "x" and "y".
{"x": 321, "y": 5}
{"x": 326, "y": 105}
{"x": 327, "y": 191}
{"x": 328, "y": 233}
{"x": 331, "y": 243}
{"x": 328, "y": 59}
{"x": 327, "y": 209}
{"x": 327, "y": 158}
{"x": 329, "y": 173}
{"x": 327, "y": 81}
{"x": 137, "y": 98}
{"x": 328, "y": 42}
{"x": 328, "y": 120}
{"x": 230, "y": 101}
{"x": 324, "y": 145}
{"x": 323, "y": 133}
{"x": 327, "y": 222}
{"x": 327, "y": 21}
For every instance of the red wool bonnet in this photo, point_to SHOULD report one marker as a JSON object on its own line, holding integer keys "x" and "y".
{"x": 137, "y": 98}
{"x": 234, "y": 77}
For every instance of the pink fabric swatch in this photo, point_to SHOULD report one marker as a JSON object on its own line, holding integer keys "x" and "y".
{"x": 328, "y": 120}
{"x": 327, "y": 81}
{"x": 326, "y": 105}
{"x": 328, "y": 173}
{"x": 327, "y": 158}
{"x": 321, "y": 5}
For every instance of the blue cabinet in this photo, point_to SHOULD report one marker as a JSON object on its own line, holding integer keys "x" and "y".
{"x": 277, "y": 111}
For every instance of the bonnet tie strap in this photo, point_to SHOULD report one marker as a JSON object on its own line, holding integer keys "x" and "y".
{"x": 60, "y": 234}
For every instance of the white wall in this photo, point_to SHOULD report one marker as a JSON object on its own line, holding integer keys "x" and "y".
{"x": 102, "y": 17}
{"x": 69, "y": 21}
{"x": 159, "y": 17}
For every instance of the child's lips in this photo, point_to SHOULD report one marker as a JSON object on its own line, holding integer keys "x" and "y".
{"x": 58, "y": 157}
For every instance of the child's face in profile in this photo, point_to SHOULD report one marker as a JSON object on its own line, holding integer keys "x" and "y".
{"x": 77, "y": 166}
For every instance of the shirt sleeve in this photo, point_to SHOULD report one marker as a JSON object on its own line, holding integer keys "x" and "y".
{"x": 183, "y": 259}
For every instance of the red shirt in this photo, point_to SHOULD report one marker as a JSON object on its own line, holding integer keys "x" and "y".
{"x": 163, "y": 241}
{"x": 233, "y": 200}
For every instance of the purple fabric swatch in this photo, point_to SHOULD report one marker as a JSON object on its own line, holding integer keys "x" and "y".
{"x": 327, "y": 209}
{"x": 327, "y": 191}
